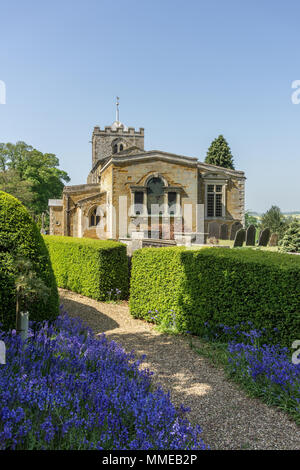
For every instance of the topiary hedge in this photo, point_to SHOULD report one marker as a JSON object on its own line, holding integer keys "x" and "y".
{"x": 89, "y": 267}
{"x": 291, "y": 238}
{"x": 20, "y": 236}
{"x": 218, "y": 286}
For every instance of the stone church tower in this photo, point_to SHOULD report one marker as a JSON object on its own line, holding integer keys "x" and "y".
{"x": 114, "y": 139}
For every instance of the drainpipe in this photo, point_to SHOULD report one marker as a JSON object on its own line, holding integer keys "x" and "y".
{"x": 68, "y": 215}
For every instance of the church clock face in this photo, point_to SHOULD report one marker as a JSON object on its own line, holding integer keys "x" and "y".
{"x": 155, "y": 193}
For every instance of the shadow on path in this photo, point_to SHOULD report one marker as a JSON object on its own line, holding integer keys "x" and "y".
{"x": 95, "y": 318}
{"x": 228, "y": 417}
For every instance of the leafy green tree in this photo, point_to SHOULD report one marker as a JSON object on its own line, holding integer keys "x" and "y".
{"x": 36, "y": 171}
{"x": 251, "y": 220}
{"x": 275, "y": 221}
{"x": 11, "y": 183}
{"x": 219, "y": 153}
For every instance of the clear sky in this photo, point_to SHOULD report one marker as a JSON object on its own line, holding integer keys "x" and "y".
{"x": 185, "y": 71}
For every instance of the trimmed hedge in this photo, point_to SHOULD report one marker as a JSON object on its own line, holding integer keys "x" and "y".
{"x": 20, "y": 236}
{"x": 218, "y": 286}
{"x": 89, "y": 267}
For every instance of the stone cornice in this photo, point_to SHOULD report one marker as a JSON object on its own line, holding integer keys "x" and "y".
{"x": 81, "y": 187}
{"x": 219, "y": 169}
{"x": 90, "y": 198}
{"x": 153, "y": 155}
{"x": 169, "y": 157}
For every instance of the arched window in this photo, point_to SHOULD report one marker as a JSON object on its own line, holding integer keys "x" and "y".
{"x": 155, "y": 194}
{"x": 121, "y": 148}
{"x": 115, "y": 148}
{"x": 94, "y": 218}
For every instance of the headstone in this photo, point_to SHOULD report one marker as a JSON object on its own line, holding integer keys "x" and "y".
{"x": 274, "y": 239}
{"x": 234, "y": 228}
{"x": 264, "y": 237}
{"x": 250, "y": 235}
{"x": 239, "y": 238}
{"x": 214, "y": 230}
{"x": 259, "y": 234}
{"x": 224, "y": 232}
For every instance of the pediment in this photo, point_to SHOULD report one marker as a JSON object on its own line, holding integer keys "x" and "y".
{"x": 140, "y": 156}
{"x": 214, "y": 175}
{"x": 90, "y": 198}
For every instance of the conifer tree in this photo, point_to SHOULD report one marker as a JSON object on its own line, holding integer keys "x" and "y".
{"x": 219, "y": 153}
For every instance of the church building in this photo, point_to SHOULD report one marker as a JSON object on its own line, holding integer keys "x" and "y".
{"x": 159, "y": 194}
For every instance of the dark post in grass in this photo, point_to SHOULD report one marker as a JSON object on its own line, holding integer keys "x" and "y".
{"x": 239, "y": 238}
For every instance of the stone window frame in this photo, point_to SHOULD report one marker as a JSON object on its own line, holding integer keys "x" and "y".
{"x": 117, "y": 144}
{"x": 93, "y": 213}
{"x": 166, "y": 188}
{"x": 93, "y": 208}
{"x": 216, "y": 181}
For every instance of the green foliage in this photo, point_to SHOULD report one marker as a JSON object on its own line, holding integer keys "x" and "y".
{"x": 275, "y": 221}
{"x": 251, "y": 220}
{"x": 90, "y": 267}
{"x": 12, "y": 183}
{"x": 219, "y": 153}
{"x": 29, "y": 287}
{"x": 218, "y": 286}
{"x": 291, "y": 239}
{"x": 30, "y": 175}
{"x": 20, "y": 236}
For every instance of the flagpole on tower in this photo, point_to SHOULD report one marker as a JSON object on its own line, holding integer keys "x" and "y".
{"x": 117, "y": 110}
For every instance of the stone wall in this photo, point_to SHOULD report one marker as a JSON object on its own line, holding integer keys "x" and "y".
{"x": 56, "y": 220}
{"x": 137, "y": 173}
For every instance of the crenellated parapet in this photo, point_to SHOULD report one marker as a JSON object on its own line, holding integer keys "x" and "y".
{"x": 127, "y": 131}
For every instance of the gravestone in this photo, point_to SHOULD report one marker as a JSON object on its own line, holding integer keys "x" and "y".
{"x": 224, "y": 232}
{"x": 239, "y": 238}
{"x": 214, "y": 230}
{"x": 259, "y": 234}
{"x": 264, "y": 237}
{"x": 250, "y": 235}
{"x": 234, "y": 228}
{"x": 273, "y": 239}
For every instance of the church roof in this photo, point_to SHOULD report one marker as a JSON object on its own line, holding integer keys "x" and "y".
{"x": 134, "y": 154}
{"x": 171, "y": 157}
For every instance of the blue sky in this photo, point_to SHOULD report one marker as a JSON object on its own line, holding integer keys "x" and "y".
{"x": 185, "y": 71}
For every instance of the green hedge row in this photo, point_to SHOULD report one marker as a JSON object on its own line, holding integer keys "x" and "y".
{"x": 89, "y": 267}
{"x": 20, "y": 237}
{"x": 218, "y": 286}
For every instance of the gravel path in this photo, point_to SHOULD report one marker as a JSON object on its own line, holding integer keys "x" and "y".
{"x": 229, "y": 419}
